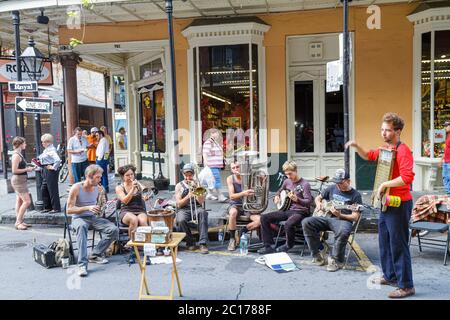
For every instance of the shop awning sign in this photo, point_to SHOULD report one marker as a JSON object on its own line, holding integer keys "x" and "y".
{"x": 34, "y": 105}
{"x": 22, "y": 86}
{"x": 8, "y": 72}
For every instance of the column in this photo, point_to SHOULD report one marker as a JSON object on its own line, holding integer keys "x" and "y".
{"x": 69, "y": 62}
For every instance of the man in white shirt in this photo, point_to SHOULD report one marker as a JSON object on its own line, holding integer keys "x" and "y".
{"x": 100, "y": 157}
{"x": 76, "y": 147}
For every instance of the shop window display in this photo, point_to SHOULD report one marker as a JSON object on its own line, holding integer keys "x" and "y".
{"x": 153, "y": 120}
{"x": 227, "y": 94}
{"x": 440, "y": 62}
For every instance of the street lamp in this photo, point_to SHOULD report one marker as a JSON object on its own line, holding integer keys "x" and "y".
{"x": 33, "y": 60}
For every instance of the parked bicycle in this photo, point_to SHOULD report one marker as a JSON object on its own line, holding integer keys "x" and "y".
{"x": 64, "y": 171}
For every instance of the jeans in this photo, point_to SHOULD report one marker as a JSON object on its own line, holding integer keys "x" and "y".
{"x": 104, "y": 165}
{"x": 183, "y": 219}
{"x": 312, "y": 227}
{"x": 78, "y": 169}
{"x": 292, "y": 218}
{"x": 107, "y": 228}
{"x": 393, "y": 234}
{"x": 217, "y": 178}
{"x": 446, "y": 176}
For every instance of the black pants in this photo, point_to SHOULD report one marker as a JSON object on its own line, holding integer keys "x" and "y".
{"x": 292, "y": 217}
{"x": 49, "y": 189}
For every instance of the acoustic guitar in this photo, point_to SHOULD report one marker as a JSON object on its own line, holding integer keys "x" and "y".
{"x": 326, "y": 208}
{"x": 285, "y": 201}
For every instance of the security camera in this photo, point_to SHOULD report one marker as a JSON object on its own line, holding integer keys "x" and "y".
{"x": 42, "y": 19}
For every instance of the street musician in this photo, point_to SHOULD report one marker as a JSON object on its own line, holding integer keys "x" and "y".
{"x": 189, "y": 206}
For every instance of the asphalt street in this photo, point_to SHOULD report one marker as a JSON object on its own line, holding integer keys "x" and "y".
{"x": 218, "y": 275}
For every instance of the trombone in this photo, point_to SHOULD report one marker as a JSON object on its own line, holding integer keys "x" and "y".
{"x": 198, "y": 191}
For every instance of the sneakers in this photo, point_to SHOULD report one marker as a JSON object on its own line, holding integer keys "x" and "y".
{"x": 266, "y": 250}
{"x": 334, "y": 265}
{"x": 210, "y": 197}
{"x": 203, "y": 249}
{"x": 319, "y": 259}
{"x": 98, "y": 259}
{"x": 283, "y": 248}
{"x": 232, "y": 244}
{"x": 82, "y": 271}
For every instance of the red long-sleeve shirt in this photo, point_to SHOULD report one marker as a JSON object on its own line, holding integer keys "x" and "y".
{"x": 403, "y": 167}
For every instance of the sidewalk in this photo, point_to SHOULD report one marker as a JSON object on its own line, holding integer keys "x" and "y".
{"x": 7, "y": 204}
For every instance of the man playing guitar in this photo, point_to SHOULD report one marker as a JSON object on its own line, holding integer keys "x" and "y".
{"x": 341, "y": 222}
{"x": 301, "y": 199}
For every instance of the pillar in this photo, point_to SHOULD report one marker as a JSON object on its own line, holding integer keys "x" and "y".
{"x": 69, "y": 62}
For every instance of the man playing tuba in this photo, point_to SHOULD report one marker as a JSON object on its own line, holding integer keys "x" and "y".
{"x": 234, "y": 183}
{"x": 189, "y": 202}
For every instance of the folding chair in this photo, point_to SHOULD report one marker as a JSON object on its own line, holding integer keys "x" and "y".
{"x": 68, "y": 229}
{"x": 122, "y": 237}
{"x": 427, "y": 242}
{"x": 241, "y": 222}
{"x": 299, "y": 236}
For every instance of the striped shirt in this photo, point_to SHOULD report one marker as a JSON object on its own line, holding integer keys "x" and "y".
{"x": 213, "y": 154}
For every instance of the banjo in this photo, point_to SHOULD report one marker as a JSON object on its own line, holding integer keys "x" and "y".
{"x": 285, "y": 201}
{"x": 325, "y": 212}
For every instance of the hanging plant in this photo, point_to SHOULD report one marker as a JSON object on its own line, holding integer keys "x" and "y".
{"x": 85, "y": 4}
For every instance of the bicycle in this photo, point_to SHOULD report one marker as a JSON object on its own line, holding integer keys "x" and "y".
{"x": 64, "y": 171}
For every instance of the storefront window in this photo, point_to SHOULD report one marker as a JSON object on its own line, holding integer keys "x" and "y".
{"x": 334, "y": 121}
{"x": 120, "y": 112}
{"x": 153, "y": 119}
{"x": 304, "y": 116}
{"x": 440, "y": 87}
{"x": 152, "y": 68}
{"x": 227, "y": 94}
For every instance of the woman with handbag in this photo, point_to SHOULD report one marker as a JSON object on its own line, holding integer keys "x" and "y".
{"x": 19, "y": 182}
{"x": 213, "y": 158}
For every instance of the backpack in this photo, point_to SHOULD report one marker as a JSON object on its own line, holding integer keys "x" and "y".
{"x": 62, "y": 250}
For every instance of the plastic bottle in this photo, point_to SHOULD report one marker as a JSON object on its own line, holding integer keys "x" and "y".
{"x": 243, "y": 244}
{"x": 220, "y": 235}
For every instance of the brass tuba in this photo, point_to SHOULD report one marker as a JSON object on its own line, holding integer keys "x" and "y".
{"x": 258, "y": 181}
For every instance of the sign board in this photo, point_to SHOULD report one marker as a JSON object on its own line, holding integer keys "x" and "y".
{"x": 8, "y": 72}
{"x": 22, "y": 86}
{"x": 34, "y": 105}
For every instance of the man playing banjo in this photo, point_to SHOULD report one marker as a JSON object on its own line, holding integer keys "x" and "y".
{"x": 340, "y": 223}
{"x": 300, "y": 199}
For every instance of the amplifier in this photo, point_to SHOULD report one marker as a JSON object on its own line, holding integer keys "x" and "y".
{"x": 44, "y": 256}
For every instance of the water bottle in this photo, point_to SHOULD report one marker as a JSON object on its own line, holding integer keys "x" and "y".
{"x": 220, "y": 235}
{"x": 243, "y": 244}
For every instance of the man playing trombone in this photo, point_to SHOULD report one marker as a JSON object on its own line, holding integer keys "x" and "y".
{"x": 189, "y": 205}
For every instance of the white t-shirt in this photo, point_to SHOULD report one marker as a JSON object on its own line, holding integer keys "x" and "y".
{"x": 102, "y": 149}
{"x": 77, "y": 144}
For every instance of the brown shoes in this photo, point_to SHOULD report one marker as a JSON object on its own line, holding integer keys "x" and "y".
{"x": 382, "y": 281}
{"x": 402, "y": 293}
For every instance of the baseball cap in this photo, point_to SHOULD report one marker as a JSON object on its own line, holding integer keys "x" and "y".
{"x": 446, "y": 123}
{"x": 189, "y": 167}
{"x": 94, "y": 129}
{"x": 340, "y": 176}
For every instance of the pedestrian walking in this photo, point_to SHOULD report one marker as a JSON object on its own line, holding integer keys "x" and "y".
{"x": 77, "y": 148}
{"x": 19, "y": 182}
{"x": 100, "y": 154}
{"x": 213, "y": 158}
{"x": 50, "y": 164}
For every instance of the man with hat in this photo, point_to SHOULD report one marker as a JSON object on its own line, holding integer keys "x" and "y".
{"x": 445, "y": 161}
{"x": 187, "y": 203}
{"x": 341, "y": 221}
{"x": 92, "y": 145}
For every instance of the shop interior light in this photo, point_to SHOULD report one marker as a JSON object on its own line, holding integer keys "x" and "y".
{"x": 235, "y": 81}
{"x": 228, "y": 72}
{"x": 211, "y": 95}
{"x": 429, "y": 71}
{"x": 436, "y": 60}
{"x": 241, "y": 87}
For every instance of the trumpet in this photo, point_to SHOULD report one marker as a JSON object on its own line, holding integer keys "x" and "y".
{"x": 147, "y": 192}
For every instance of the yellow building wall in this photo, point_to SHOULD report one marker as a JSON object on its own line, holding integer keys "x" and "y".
{"x": 382, "y": 62}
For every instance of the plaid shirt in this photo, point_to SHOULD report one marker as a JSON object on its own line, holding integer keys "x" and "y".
{"x": 425, "y": 209}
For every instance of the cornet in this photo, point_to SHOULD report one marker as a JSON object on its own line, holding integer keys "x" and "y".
{"x": 146, "y": 192}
